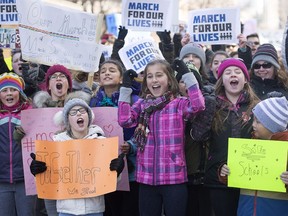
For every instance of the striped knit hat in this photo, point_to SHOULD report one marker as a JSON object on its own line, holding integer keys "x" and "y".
{"x": 268, "y": 53}
{"x": 272, "y": 113}
{"x": 12, "y": 80}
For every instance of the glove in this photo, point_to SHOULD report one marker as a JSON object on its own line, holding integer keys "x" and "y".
{"x": 122, "y": 32}
{"x": 33, "y": 75}
{"x": 181, "y": 68}
{"x": 192, "y": 68}
{"x": 18, "y": 134}
{"x": 164, "y": 36}
{"x": 128, "y": 77}
{"x": 37, "y": 167}
{"x": 117, "y": 164}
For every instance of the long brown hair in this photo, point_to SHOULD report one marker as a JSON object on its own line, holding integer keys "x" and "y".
{"x": 172, "y": 82}
{"x": 221, "y": 115}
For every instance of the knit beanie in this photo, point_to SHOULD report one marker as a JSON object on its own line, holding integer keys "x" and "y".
{"x": 272, "y": 113}
{"x": 58, "y": 68}
{"x": 193, "y": 48}
{"x": 76, "y": 102}
{"x": 12, "y": 80}
{"x": 233, "y": 62}
{"x": 268, "y": 53}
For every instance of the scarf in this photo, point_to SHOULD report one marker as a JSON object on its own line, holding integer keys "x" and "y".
{"x": 151, "y": 104}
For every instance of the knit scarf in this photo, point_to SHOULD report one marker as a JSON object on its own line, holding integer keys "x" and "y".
{"x": 151, "y": 104}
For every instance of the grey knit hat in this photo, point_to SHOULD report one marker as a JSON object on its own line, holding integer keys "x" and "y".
{"x": 272, "y": 113}
{"x": 268, "y": 53}
{"x": 193, "y": 48}
{"x": 76, "y": 102}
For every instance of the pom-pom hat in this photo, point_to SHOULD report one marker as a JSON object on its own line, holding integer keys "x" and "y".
{"x": 12, "y": 80}
{"x": 61, "y": 69}
{"x": 272, "y": 113}
{"x": 233, "y": 62}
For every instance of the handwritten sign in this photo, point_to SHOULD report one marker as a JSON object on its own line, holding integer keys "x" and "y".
{"x": 8, "y": 12}
{"x": 143, "y": 15}
{"x": 38, "y": 125}
{"x": 257, "y": 164}
{"x": 76, "y": 168}
{"x": 214, "y": 26}
{"x": 51, "y": 35}
{"x": 137, "y": 55}
{"x": 9, "y": 38}
{"x": 113, "y": 21}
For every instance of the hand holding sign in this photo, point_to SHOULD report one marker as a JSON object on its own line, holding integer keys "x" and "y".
{"x": 122, "y": 32}
{"x": 36, "y": 166}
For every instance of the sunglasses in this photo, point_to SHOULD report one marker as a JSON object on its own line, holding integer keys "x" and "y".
{"x": 251, "y": 43}
{"x": 265, "y": 66}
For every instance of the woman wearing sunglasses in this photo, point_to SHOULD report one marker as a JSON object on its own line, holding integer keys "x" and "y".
{"x": 266, "y": 75}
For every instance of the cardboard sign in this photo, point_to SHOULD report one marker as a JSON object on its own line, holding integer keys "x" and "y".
{"x": 76, "y": 168}
{"x": 257, "y": 164}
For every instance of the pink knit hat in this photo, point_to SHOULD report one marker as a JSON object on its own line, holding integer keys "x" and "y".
{"x": 58, "y": 68}
{"x": 233, "y": 62}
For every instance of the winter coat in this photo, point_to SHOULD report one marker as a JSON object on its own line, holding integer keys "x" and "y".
{"x": 163, "y": 160}
{"x": 82, "y": 206}
{"x": 10, "y": 152}
{"x": 262, "y": 203}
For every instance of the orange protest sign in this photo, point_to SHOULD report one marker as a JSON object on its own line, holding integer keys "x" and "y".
{"x": 76, "y": 168}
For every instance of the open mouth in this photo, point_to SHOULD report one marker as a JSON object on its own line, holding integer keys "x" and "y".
{"x": 9, "y": 100}
{"x": 80, "y": 122}
{"x": 59, "y": 86}
{"x": 234, "y": 83}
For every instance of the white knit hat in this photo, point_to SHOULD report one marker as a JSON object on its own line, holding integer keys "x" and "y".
{"x": 272, "y": 113}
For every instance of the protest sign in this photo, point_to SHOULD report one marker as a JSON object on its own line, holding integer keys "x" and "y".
{"x": 38, "y": 124}
{"x": 9, "y": 38}
{"x": 146, "y": 15}
{"x": 76, "y": 168}
{"x": 214, "y": 26}
{"x": 8, "y": 12}
{"x": 113, "y": 21}
{"x": 52, "y": 35}
{"x": 284, "y": 50}
{"x": 257, "y": 164}
{"x": 137, "y": 55}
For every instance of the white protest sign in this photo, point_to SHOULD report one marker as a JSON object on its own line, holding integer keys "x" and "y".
{"x": 146, "y": 15}
{"x": 137, "y": 55}
{"x": 214, "y": 26}
{"x": 50, "y": 35}
{"x": 8, "y": 12}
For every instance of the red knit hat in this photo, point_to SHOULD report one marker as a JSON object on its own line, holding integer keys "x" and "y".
{"x": 58, "y": 68}
{"x": 233, "y": 62}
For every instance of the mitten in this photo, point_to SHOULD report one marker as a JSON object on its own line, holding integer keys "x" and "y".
{"x": 122, "y": 32}
{"x": 118, "y": 164}
{"x": 128, "y": 77}
{"x": 37, "y": 167}
{"x": 165, "y": 36}
{"x": 181, "y": 68}
{"x": 18, "y": 134}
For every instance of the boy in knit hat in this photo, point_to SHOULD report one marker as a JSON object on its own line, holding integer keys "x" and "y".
{"x": 270, "y": 123}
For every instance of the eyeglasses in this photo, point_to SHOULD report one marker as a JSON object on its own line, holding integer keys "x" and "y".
{"x": 250, "y": 43}
{"x": 56, "y": 76}
{"x": 265, "y": 66}
{"x": 73, "y": 112}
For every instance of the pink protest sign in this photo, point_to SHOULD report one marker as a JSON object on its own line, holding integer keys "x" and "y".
{"x": 38, "y": 124}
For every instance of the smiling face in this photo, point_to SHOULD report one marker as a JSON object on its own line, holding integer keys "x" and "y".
{"x": 9, "y": 96}
{"x": 78, "y": 120}
{"x": 110, "y": 76}
{"x": 58, "y": 85}
{"x": 157, "y": 80}
{"x": 216, "y": 63}
{"x": 264, "y": 70}
{"x": 233, "y": 82}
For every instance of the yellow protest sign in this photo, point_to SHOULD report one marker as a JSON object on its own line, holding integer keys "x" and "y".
{"x": 76, "y": 168}
{"x": 257, "y": 164}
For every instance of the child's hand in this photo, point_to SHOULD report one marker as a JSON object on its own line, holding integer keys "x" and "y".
{"x": 225, "y": 171}
{"x": 284, "y": 177}
{"x": 181, "y": 68}
{"x": 128, "y": 77}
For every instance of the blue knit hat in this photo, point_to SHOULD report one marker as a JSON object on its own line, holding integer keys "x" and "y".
{"x": 272, "y": 113}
